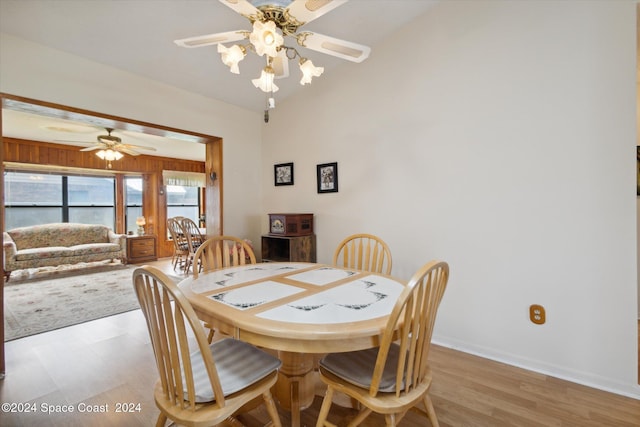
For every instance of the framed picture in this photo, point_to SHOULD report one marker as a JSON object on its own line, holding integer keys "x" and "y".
{"x": 328, "y": 178}
{"x": 283, "y": 174}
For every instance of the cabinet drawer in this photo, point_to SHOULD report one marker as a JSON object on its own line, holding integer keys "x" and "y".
{"x": 140, "y": 252}
{"x": 142, "y": 244}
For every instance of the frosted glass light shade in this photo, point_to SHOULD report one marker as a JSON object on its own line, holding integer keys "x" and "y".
{"x": 309, "y": 71}
{"x": 265, "y": 39}
{"x": 109, "y": 154}
{"x": 231, "y": 56}
{"x": 265, "y": 82}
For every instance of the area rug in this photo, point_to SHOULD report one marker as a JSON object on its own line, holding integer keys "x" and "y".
{"x": 47, "y": 299}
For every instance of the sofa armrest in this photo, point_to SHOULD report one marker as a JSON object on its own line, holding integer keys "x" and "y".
{"x": 120, "y": 239}
{"x": 8, "y": 246}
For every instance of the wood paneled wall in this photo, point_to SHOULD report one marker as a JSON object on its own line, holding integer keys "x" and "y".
{"x": 213, "y": 191}
{"x": 43, "y": 153}
{"x": 150, "y": 167}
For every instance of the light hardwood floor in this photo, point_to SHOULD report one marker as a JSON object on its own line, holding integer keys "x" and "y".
{"x": 109, "y": 362}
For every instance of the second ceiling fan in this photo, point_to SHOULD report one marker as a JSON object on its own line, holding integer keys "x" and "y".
{"x": 113, "y": 143}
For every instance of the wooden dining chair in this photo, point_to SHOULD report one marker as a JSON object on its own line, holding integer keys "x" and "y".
{"x": 363, "y": 252}
{"x": 200, "y": 384}
{"x": 394, "y": 377}
{"x": 194, "y": 240}
{"x": 220, "y": 252}
{"x": 180, "y": 244}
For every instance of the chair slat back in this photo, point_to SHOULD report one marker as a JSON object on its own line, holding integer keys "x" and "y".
{"x": 413, "y": 317}
{"x": 364, "y": 252}
{"x": 220, "y": 252}
{"x": 168, "y": 324}
{"x": 178, "y": 234}
{"x": 193, "y": 235}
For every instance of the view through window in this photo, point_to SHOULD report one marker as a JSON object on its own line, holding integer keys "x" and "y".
{"x": 183, "y": 201}
{"x": 133, "y": 202}
{"x": 39, "y": 198}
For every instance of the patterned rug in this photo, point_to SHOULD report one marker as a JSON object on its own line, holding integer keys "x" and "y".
{"x": 41, "y": 300}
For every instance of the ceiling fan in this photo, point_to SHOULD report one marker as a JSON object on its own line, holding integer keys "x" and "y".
{"x": 113, "y": 143}
{"x": 273, "y": 20}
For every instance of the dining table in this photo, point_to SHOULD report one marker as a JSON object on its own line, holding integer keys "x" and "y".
{"x": 299, "y": 310}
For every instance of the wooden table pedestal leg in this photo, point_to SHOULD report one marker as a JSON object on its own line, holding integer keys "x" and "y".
{"x": 295, "y": 387}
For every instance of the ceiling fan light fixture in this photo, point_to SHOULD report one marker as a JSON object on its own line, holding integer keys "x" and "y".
{"x": 265, "y": 39}
{"x": 232, "y": 56}
{"x": 265, "y": 81}
{"x": 109, "y": 155}
{"x": 309, "y": 71}
{"x": 272, "y": 21}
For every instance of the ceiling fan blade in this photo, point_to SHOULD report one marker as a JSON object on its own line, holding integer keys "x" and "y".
{"x": 280, "y": 65}
{"x": 307, "y": 10}
{"x": 71, "y": 142}
{"x": 95, "y": 147}
{"x": 243, "y": 7}
{"x": 331, "y": 46}
{"x": 134, "y": 147}
{"x": 127, "y": 151}
{"x": 209, "y": 39}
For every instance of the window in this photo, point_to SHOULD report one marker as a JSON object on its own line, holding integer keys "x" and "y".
{"x": 35, "y": 198}
{"x": 132, "y": 201}
{"x": 32, "y": 198}
{"x": 91, "y": 200}
{"x": 183, "y": 201}
{"x": 184, "y": 194}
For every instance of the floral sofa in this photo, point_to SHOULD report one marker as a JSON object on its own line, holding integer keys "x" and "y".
{"x": 57, "y": 244}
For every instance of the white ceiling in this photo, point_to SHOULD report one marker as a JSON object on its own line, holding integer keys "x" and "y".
{"x": 137, "y": 36}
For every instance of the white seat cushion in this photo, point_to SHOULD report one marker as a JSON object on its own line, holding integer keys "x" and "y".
{"x": 357, "y": 367}
{"x": 239, "y": 365}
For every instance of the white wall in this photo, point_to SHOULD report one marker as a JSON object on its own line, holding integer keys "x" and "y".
{"x": 500, "y": 137}
{"x": 34, "y": 71}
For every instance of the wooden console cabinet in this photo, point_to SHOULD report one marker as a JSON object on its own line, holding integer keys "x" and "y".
{"x": 141, "y": 249}
{"x": 289, "y": 248}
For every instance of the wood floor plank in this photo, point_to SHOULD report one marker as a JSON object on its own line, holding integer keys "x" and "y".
{"x": 110, "y": 361}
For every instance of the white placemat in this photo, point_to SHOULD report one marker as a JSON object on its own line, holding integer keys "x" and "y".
{"x": 255, "y": 295}
{"x": 367, "y": 298}
{"x": 234, "y": 275}
{"x": 322, "y": 276}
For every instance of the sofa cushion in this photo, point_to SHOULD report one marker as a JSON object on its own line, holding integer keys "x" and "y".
{"x": 58, "y": 234}
{"x": 39, "y": 253}
{"x": 94, "y": 248}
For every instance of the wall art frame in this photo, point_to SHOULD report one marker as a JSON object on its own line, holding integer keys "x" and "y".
{"x": 283, "y": 174}
{"x": 638, "y": 170}
{"x": 327, "y": 177}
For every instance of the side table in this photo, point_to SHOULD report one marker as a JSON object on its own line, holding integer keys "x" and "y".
{"x": 141, "y": 249}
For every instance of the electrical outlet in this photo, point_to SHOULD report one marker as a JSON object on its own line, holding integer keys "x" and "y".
{"x": 537, "y": 314}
